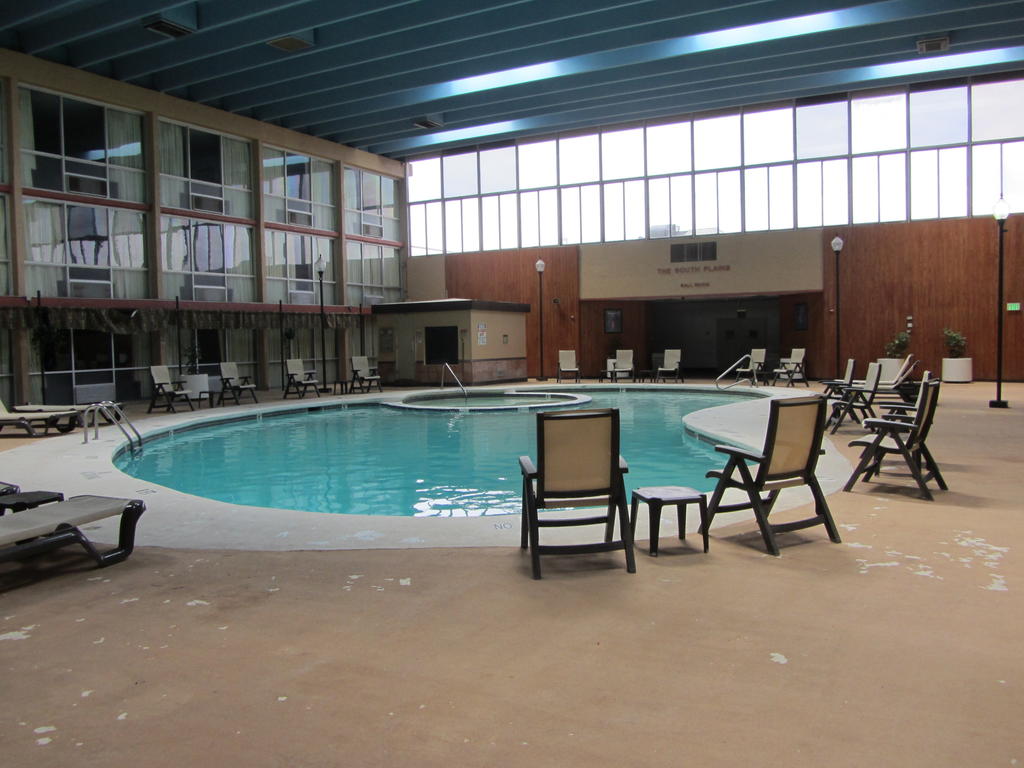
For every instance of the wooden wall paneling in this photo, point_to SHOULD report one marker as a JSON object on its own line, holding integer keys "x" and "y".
{"x": 818, "y": 336}
{"x": 512, "y": 276}
{"x": 597, "y": 346}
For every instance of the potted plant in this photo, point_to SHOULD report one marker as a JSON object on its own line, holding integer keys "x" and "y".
{"x": 956, "y": 366}
{"x": 895, "y": 351}
{"x": 195, "y": 381}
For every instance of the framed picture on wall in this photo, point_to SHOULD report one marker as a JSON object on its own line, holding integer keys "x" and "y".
{"x": 613, "y": 321}
{"x": 800, "y": 316}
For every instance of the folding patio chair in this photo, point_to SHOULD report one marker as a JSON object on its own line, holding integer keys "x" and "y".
{"x": 233, "y": 385}
{"x": 299, "y": 379}
{"x": 364, "y": 375}
{"x": 854, "y": 400}
{"x": 578, "y": 466}
{"x": 671, "y": 366}
{"x": 791, "y": 368}
{"x": 755, "y": 366}
{"x": 567, "y": 365}
{"x": 788, "y": 459}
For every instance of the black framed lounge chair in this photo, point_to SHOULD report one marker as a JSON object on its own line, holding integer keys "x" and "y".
{"x": 788, "y": 459}
{"x": 906, "y": 438}
{"x": 671, "y": 366}
{"x": 754, "y": 368}
{"x": 856, "y": 401}
{"x": 834, "y": 386}
{"x": 578, "y": 467}
{"x": 791, "y": 368}
{"x": 299, "y": 379}
{"x": 167, "y": 391}
{"x": 567, "y": 365}
{"x": 233, "y": 385}
{"x": 51, "y": 526}
{"x": 33, "y": 421}
{"x": 13, "y": 499}
{"x": 364, "y": 375}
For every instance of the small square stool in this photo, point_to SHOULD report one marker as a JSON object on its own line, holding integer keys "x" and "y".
{"x": 658, "y": 496}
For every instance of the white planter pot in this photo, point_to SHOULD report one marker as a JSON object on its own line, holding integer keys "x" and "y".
{"x": 957, "y": 370}
{"x": 197, "y": 382}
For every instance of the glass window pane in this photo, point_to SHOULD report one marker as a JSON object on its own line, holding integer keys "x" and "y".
{"x": 953, "y": 182}
{"x": 938, "y": 117}
{"x": 323, "y": 182}
{"x": 369, "y": 188}
{"x": 590, "y": 214}
{"x": 129, "y": 242}
{"x": 40, "y": 117}
{"x": 491, "y": 220}
{"x": 498, "y": 170}
{"x": 622, "y": 154}
{"x": 537, "y": 165}
{"x": 706, "y": 203}
{"x": 529, "y": 219}
{"x": 986, "y": 176}
{"x": 204, "y": 156}
{"x": 1013, "y": 175}
{"x": 822, "y": 130}
{"x": 716, "y": 142}
{"x": 453, "y": 226}
{"x": 391, "y": 274}
{"x": 578, "y": 160}
{"x": 658, "y": 208}
{"x": 997, "y": 110}
{"x": 237, "y": 161}
{"x": 423, "y": 182}
{"x": 756, "y": 198}
{"x": 296, "y": 176}
{"x": 45, "y": 232}
{"x": 417, "y": 230}
{"x": 768, "y": 136}
{"x": 835, "y": 196}
{"x": 730, "y": 202}
{"x": 865, "y": 189}
{"x": 548, "y": 217}
{"x": 509, "y": 221}
{"x": 635, "y": 205}
{"x": 668, "y": 148}
{"x": 435, "y": 228}
{"x": 173, "y": 150}
{"x": 124, "y": 139}
{"x": 238, "y": 249}
{"x": 273, "y": 172}
{"x": 84, "y": 131}
{"x": 208, "y": 246}
{"x": 88, "y": 236}
{"x": 570, "y": 215}
{"x": 614, "y": 226}
{"x": 924, "y": 184}
{"x": 892, "y": 187}
{"x": 879, "y": 122}
{"x": 808, "y": 190}
{"x": 354, "y": 261}
{"x": 681, "y": 190}
{"x": 471, "y": 224}
{"x": 780, "y": 196}
{"x": 459, "y": 174}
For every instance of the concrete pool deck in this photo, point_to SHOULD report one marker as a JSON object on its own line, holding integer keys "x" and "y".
{"x": 178, "y": 520}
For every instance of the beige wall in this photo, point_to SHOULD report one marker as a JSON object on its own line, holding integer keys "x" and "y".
{"x": 408, "y": 330}
{"x": 492, "y": 328}
{"x": 28, "y": 70}
{"x": 786, "y": 262}
{"x": 425, "y": 280}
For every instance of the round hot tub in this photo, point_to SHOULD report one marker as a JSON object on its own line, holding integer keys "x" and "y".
{"x": 488, "y": 400}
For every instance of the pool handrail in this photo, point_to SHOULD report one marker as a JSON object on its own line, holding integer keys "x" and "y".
{"x": 730, "y": 369}
{"x": 449, "y": 369}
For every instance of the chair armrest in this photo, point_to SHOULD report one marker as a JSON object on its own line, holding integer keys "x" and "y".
{"x": 245, "y": 380}
{"x": 742, "y": 453}
{"x": 623, "y": 466}
{"x": 900, "y": 426}
{"x": 526, "y": 467}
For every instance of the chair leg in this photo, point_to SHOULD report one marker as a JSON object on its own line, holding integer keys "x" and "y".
{"x": 525, "y": 519}
{"x": 821, "y": 507}
{"x": 705, "y": 522}
{"x": 761, "y": 510}
{"x": 627, "y": 534}
{"x": 933, "y": 468}
{"x": 681, "y": 520}
{"x": 534, "y": 540}
{"x": 654, "y": 517}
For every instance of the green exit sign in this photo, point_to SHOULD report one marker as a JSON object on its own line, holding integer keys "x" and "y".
{"x": 1013, "y": 306}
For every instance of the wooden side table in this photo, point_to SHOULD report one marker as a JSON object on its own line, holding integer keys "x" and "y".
{"x": 658, "y": 496}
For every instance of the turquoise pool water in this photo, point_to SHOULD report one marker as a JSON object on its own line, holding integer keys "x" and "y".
{"x": 378, "y": 461}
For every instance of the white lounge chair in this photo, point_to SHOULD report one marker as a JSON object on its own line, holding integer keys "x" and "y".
{"x": 167, "y": 390}
{"x": 63, "y": 420}
{"x": 755, "y": 366}
{"x": 364, "y": 375}
{"x": 623, "y": 363}
{"x": 791, "y": 368}
{"x": 671, "y": 366}
{"x": 299, "y": 379}
{"x": 567, "y": 364}
{"x": 233, "y": 385}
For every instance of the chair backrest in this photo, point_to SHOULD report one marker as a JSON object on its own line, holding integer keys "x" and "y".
{"x": 757, "y": 357}
{"x": 797, "y": 355}
{"x": 793, "y": 439}
{"x": 871, "y": 378}
{"x": 908, "y": 365}
{"x": 229, "y": 370}
{"x": 624, "y": 359}
{"x": 161, "y": 374}
{"x": 567, "y": 359}
{"x": 361, "y": 365}
{"x": 577, "y": 453}
{"x": 672, "y": 358}
{"x": 850, "y": 365}
{"x": 295, "y": 367}
{"x": 926, "y": 403}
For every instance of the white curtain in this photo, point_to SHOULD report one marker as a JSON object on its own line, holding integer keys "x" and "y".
{"x": 172, "y": 149}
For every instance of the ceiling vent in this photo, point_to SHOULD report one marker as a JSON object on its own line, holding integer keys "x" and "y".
{"x": 298, "y": 41}
{"x": 176, "y": 22}
{"x": 933, "y": 44}
{"x": 429, "y": 122}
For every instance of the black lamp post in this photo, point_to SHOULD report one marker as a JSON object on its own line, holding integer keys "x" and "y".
{"x": 837, "y": 246}
{"x": 320, "y": 266}
{"x": 1000, "y": 211}
{"x": 540, "y": 303}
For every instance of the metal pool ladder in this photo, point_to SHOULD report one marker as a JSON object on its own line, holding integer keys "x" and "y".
{"x": 730, "y": 369}
{"x": 448, "y": 368}
{"x": 113, "y": 413}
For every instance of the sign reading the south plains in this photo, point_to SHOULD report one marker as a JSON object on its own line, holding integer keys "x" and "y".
{"x": 766, "y": 262}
